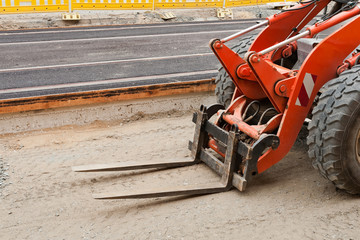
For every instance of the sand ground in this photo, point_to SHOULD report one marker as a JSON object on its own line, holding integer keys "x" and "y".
{"x": 43, "y": 199}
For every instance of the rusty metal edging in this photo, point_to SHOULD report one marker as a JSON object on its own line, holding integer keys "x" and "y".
{"x": 104, "y": 96}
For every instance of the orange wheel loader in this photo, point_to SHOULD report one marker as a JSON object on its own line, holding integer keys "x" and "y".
{"x": 301, "y": 67}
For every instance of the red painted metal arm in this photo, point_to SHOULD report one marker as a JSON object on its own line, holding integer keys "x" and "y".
{"x": 319, "y": 67}
{"x": 341, "y": 17}
{"x": 282, "y": 25}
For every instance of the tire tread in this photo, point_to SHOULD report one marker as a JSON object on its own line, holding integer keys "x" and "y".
{"x": 327, "y": 128}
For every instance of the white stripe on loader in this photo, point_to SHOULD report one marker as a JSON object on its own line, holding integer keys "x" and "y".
{"x": 309, "y": 84}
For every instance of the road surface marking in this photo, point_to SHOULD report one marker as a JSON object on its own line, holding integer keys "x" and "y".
{"x": 123, "y": 28}
{"x": 118, "y": 37}
{"x": 104, "y": 62}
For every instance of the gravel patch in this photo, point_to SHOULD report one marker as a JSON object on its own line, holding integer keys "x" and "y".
{"x": 3, "y": 174}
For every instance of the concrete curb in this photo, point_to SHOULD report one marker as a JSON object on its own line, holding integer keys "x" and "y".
{"x": 112, "y": 113}
{"x": 104, "y": 96}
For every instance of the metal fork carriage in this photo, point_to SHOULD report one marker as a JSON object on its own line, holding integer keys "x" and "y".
{"x": 237, "y": 154}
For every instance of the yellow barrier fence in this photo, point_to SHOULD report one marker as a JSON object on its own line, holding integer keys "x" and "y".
{"x": 13, "y": 6}
{"x": 111, "y": 4}
{"x": 22, "y": 6}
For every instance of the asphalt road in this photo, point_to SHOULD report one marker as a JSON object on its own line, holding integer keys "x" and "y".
{"x": 56, "y": 61}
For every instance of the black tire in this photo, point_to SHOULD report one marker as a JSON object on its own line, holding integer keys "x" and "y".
{"x": 225, "y": 88}
{"x": 334, "y": 132}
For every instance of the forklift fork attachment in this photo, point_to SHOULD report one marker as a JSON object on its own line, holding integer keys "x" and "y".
{"x": 163, "y": 192}
{"x": 224, "y": 185}
{"x": 198, "y": 139}
{"x": 130, "y": 166}
{"x": 200, "y": 153}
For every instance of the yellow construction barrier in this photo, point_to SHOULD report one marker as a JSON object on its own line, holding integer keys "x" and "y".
{"x": 237, "y": 3}
{"x": 22, "y": 6}
{"x": 111, "y": 4}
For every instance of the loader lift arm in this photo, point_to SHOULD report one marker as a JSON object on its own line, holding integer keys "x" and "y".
{"x": 321, "y": 66}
